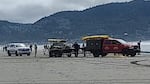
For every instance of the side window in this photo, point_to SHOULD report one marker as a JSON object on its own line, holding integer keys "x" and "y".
{"x": 107, "y": 42}
{"x": 17, "y": 45}
{"x": 115, "y": 42}
{"x": 12, "y": 45}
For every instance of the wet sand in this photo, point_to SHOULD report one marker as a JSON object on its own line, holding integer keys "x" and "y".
{"x": 83, "y": 70}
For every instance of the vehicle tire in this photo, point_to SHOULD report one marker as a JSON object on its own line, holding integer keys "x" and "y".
{"x": 69, "y": 55}
{"x": 103, "y": 54}
{"x": 130, "y": 52}
{"x": 20, "y": 54}
{"x": 16, "y": 53}
{"x": 125, "y": 52}
{"x": 133, "y": 54}
{"x": 96, "y": 54}
{"x": 58, "y": 54}
{"x": 28, "y": 54}
{"x": 50, "y": 54}
{"x": 8, "y": 53}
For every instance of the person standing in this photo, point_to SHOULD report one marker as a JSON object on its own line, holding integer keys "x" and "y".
{"x": 139, "y": 46}
{"x": 83, "y": 48}
{"x": 35, "y": 48}
{"x": 5, "y": 48}
{"x": 76, "y": 47}
{"x": 31, "y": 47}
{"x": 45, "y": 48}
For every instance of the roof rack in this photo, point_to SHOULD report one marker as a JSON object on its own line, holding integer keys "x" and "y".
{"x": 95, "y": 37}
{"x": 56, "y": 40}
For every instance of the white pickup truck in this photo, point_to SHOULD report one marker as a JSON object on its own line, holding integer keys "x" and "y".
{"x": 18, "y": 49}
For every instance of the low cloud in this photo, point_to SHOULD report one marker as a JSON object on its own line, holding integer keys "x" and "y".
{"x": 29, "y": 11}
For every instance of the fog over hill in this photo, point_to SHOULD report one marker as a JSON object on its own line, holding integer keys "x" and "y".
{"x": 128, "y": 20}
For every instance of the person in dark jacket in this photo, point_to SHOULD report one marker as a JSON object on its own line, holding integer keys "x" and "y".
{"x": 31, "y": 47}
{"x": 35, "y": 48}
{"x": 139, "y": 46}
{"x": 76, "y": 47}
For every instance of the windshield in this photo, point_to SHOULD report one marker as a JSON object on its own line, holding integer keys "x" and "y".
{"x": 58, "y": 44}
{"x": 20, "y": 45}
{"x": 17, "y": 45}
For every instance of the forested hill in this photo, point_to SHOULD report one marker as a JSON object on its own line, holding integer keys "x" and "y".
{"x": 115, "y": 19}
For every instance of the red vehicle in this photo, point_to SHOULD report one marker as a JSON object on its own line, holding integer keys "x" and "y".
{"x": 103, "y": 44}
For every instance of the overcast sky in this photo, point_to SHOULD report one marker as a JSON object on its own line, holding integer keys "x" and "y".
{"x": 29, "y": 11}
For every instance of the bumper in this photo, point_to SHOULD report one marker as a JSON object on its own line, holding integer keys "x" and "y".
{"x": 24, "y": 52}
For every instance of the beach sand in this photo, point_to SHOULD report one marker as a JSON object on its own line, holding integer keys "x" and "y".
{"x": 82, "y": 70}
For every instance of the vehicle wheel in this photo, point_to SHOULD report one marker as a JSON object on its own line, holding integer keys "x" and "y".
{"x": 50, "y": 54}
{"x": 96, "y": 54}
{"x": 8, "y": 53}
{"x": 20, "y": 54}
{"x": 133, "y": 54}
{"x": 28, "y": 54}
{"x": 103, "y": 54}
{"x": 16, "y": 53}
{"x": 58, "y": 54}
{"x": 53, "y": 54}
{"x": 125, "y": 52}
{"x": 127, "y": 55}
{"x": 69, "y": 55}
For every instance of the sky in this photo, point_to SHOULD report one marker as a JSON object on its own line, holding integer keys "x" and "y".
{"x": 29, "y": 11}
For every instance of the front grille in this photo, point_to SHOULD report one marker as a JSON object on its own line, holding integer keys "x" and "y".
{"x": 24, "y": 49}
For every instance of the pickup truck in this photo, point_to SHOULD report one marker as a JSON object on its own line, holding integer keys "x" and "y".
{"x": 59, "y": 47}
{"x": 18, "y": 49}
{"x": 103, "y": 44}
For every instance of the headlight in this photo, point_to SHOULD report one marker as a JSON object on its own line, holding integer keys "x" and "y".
{"x": 132, "y": 47}
{"x": 24, "y": 49}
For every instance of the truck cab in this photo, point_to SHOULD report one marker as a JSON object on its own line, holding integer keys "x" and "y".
{"x": 114, "y": 45}
{"x": 102, "y": 45}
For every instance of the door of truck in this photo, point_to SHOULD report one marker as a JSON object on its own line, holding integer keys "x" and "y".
{"x": 112, "y": 46}
{"x": 94, "y": 44}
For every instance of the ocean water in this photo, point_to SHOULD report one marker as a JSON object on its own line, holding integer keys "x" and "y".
{"x": 145, "y": 46}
